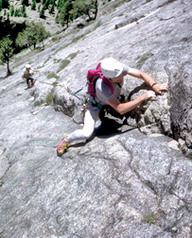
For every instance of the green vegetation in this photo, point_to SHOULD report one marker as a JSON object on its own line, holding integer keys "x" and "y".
{"x": 4, "y": 4}
{"x": 55, "y": 84}
{"x": 73, "y": 55}
{"x": 35, "y": 33}
{"x": 52, "y": 75}
{"x": 56, "y": 60}
{"x": 63, "y": 64}
{"x": 39, "y": 103}
{"x": 64, "y": 15}
{"x": 47, "y": 101}
{"x": 80, "y": 37}
{"x": 32, "y": 35}
{"x": 88, "y": 8}
{"x": 49, "y": 98}
{"x": 65, "y": 11}
{"x": 33, "y": 5}
{"x": 6, "y": 52}
{"x": 150, "y": 218}
{"x": 68, "y": 10}
{"x": 25, "y": 2}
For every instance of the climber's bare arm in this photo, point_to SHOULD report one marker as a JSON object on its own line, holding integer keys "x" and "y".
{"x": 156, "y": 87}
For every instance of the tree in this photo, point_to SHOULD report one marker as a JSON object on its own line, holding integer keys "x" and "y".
{"x": 23, "y": 11}
{"x": 12, "y": 10}
{"x": 4, "y": 4}
{"x": 65, "y": 14}
{"x": 47, "y": 2}
{"x": 52, "y": 8}
{"x": 6, "y": 52}
{"x": 42, "y": 12}
{"x": 22, "y": 39}
{"x": 39, "y": 8}
{"x": 33, "y": 5}
{"x": 25, "y": 2}
{"x": 88, "y": 8}
{"x": 42, "y": 34}
{"x": 32, "y": 35}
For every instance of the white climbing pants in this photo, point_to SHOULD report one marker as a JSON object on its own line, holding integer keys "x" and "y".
{"x": 91, "y": 116}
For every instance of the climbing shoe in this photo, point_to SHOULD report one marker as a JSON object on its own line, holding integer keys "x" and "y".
{"x": 62, "y": 147}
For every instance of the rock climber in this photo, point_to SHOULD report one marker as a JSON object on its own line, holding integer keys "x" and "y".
{"x": 112, "y": 72}
{"x": 27, "y": 74}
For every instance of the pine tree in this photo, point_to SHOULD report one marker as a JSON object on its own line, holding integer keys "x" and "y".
{"x": 42, "y": 13}
{"x": 52, "y": 8}
{"x": 16, "y": 14}
{"x": 65, "y": 12}
{"x": 23, "y": 10}
{"x": 33, "y": 5}
{"x": 39, "y": 8}
{"x": 5, "y": 4}
{"x": 46, "y": 5}
{"x": 12, "y": 10}
{"x": 25, "y": 2}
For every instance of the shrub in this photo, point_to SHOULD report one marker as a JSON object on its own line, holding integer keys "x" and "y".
{"x": 33, "y": 5}
{"x": 39, "y": 103}
{"x": 73, "y": 55}
{"x": 150, "y": 218}
{"x": 49, "y": 98}
{"x": 52, "y": 75}
{"x": 6, "y": 52}
{"x": 63, "y": 64}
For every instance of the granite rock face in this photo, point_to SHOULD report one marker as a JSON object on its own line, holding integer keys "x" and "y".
{"x": 152, "y": 36}
{"x": 122, "y": 184}
{"x": 181, "y": 104}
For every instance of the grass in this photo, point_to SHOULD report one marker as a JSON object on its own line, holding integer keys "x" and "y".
{"x": 49, "y": 98}
{"x": 150, "y": 218}
{"x": 77, "y": 38}
{"x": 73, "y": 55}
{"x": 55, "y": 84}
{"x": 56, "y": 60}
{"x": 63, "y": 64}
{"x": 52, "y": 75}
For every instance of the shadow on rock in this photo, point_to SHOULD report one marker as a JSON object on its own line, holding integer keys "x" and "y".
{"x": 112, "y": 123}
